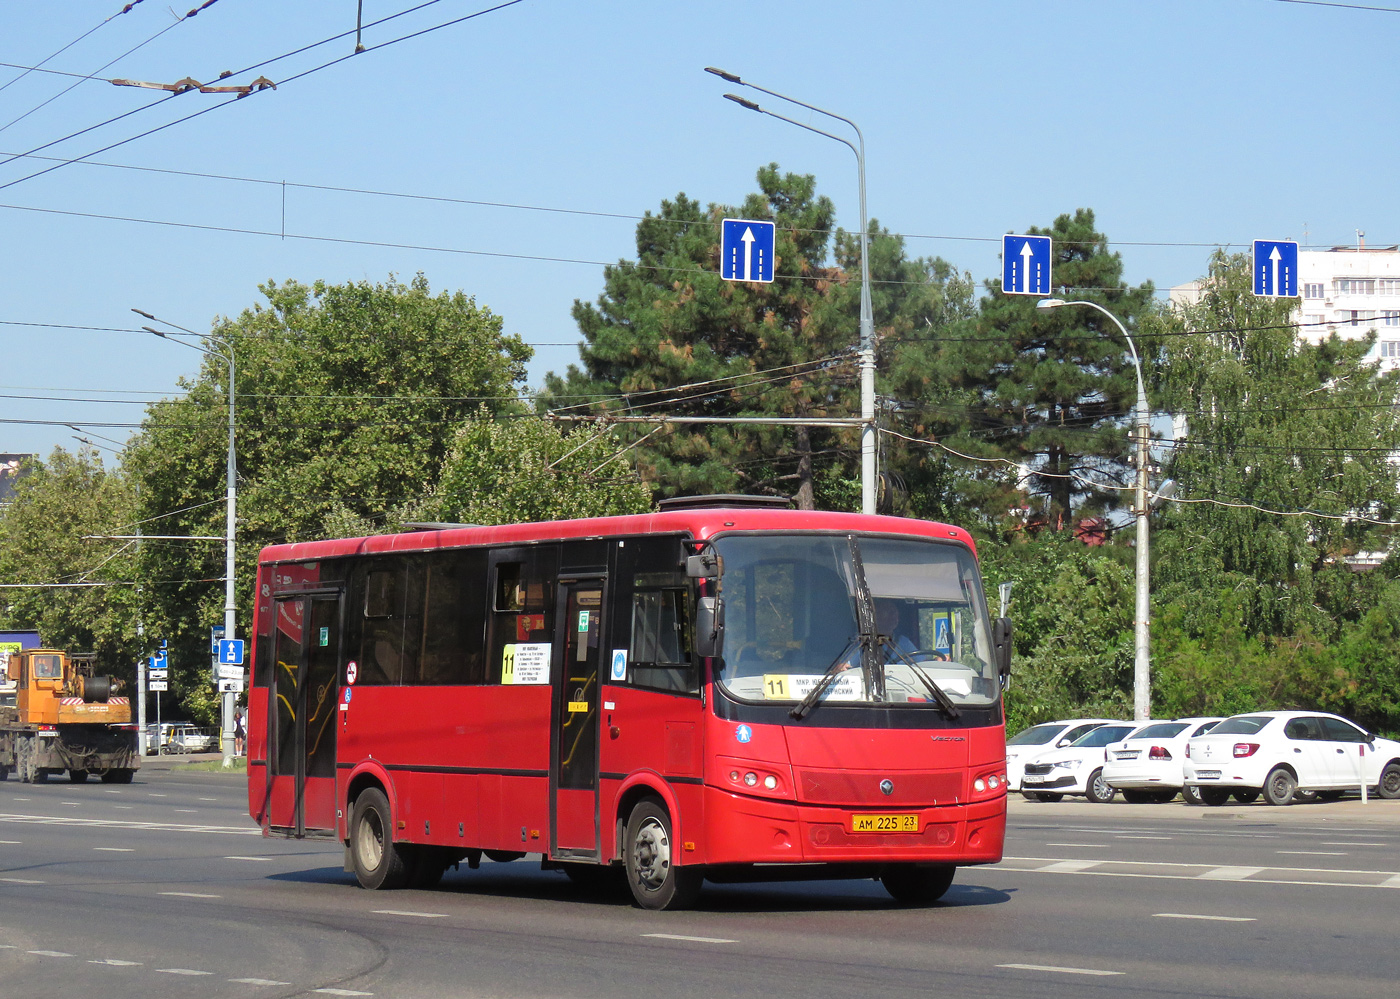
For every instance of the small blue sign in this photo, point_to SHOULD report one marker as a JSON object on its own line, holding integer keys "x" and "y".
{"x": 1025, "y": 265}
{"x": 619, "y": 664}
{"x": 348, "y": 692}
{"x": 746, "y": 250}
{"x": 1275, "y": 268}
{"x": 942, "y": 635}
{"x": 158, "y": 661}
{"x": 231, "y": 651}
{"x": 743, "y": 733}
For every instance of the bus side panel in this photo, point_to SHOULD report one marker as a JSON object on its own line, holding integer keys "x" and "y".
{"x": 477, "y": 756}
{"x": 657, "y": 733}
{"x": 256, "y": 727}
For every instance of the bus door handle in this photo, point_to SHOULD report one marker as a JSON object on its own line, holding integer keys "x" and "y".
{"x": 614, "y": 732}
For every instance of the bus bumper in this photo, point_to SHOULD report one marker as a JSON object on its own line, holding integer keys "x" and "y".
{"x": 750, "y": 830}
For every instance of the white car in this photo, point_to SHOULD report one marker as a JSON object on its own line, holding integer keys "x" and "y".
{"x": 1038, "y": 738}
{"x": 1147, "y": 768}
{"x": 1285, "y": 754}
{"x": 1077, "y": 768}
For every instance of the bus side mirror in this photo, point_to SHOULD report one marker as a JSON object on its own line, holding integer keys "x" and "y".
{"x": 1001, "y": 644}
{"x": 706, "y": 565}
{"x": 709, "y": 626}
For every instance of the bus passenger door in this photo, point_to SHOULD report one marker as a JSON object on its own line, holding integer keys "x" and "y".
{"x": 574, "y": 767}
{"x": 305, "y": 693}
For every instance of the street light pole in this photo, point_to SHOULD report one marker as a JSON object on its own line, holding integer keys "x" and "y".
{"x": 1142, "y": 677}
{"x": 231, "y": 515}
{"x": 867, "y": 322}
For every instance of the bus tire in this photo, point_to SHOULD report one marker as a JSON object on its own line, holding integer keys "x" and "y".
{"x": 379, "y": 862}
{"x": 426, "y": 866}
{"x": 656, "y": 880}
{"x": 917, "y": 884}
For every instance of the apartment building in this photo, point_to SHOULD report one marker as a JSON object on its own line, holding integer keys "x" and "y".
{"x": 1350, "y": 290}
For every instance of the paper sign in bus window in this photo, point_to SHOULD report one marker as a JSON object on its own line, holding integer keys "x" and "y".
{"x": 795, "y": 686}
{"x": 525, "y": 663}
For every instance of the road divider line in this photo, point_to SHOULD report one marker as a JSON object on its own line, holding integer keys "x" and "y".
{"x": 1058, "y": 969}
{"x": 1081, "y": 846}
{"x": 688, "y": 939}
{"x": 54, "y": 820}
{"x": 188, "y": 894}
{"x": 404, "y": 912}
{"x": 10, "y": 842}
{"x": 183, "y": 971}
{"x": 22, "y": 881}
{"x": 1391, "y": 882}
{"x": 341, "y": 992}
{"x": 1308, "y": 853}
{"x": 114, "y": 849}
{"x": 1356, "y": 844}
{"x": 1126, "y": 836}
{"x": 115, "y": 963}
{"x": 261, "y": 860}
{"x": 1229, "y": 873}
{"x": 1192, "y": 915}
{"x": 257, "y": 981}
{"x": 1069, "y": 866}
{"x": 49, "y": 953}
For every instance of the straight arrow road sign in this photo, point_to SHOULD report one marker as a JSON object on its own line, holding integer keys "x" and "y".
{"x": 746, "y": 249}
{"x": 1275, "y": 268}
{"x": 1025, "y": 265}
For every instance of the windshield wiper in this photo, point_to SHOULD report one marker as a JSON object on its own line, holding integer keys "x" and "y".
{"x": 837, "y": 667}
{"x": 939, "y": 695}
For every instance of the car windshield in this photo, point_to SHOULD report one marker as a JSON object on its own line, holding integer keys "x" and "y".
{"x": 1101, "y": 737}
{"x": 1037, "y": 736}
{"x": 1241, "y": 725}
{"x": 793, "y": 613}
{"x": 1165, "y": 730}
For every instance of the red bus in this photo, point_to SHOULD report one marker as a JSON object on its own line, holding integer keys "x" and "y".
{"x": 717, "y": 691}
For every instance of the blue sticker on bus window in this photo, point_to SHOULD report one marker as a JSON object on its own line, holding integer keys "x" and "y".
{"x": 743, "y": 733}
{"x": 619, "y": 664}
{"x": 348, "y": 692}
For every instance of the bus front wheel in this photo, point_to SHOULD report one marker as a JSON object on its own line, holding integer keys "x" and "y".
{"x": 378, "y": 861}
{"x": 656, "y": 880}
{"x": 914, "y": 884}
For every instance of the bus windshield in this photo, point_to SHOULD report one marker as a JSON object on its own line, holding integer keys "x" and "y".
{"x": 793, "y": 613}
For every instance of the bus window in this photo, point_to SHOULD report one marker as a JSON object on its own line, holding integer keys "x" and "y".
{"x": 390, "y": 625}
{"x": 661, "y": 637}
{"x": 453, "y": 622}
{"x": 523, "y": 613}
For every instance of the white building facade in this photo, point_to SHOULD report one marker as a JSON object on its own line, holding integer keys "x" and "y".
{"x": 1350, "y": 290}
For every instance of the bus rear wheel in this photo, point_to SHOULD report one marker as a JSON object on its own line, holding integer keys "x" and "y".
{"x": 914, "y": 884}
{"x": 656, "y": 880}
{"x": 379, "y": 862}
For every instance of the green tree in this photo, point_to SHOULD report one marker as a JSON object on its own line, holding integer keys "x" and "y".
{"x": 348, "y": 400}
{"x": 48, "y": 535}
{"x": 1051, "y": 391}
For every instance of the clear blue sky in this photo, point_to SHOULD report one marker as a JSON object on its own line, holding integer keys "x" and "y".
{"x": 1182, "y": 123}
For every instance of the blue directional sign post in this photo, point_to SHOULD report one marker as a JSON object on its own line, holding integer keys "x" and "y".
{"x": 1275, "y": 268}
{"x": 746, "y": 250}
{"x": 1025, "y": 265}
{"x": 230, "y": 652}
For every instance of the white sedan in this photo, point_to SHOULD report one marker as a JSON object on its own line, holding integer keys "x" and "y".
{"x": 1147, "y": 768}
{"x": 1285, "y": 754}
{"x": 1038, "y": 738}
{"x": 1077, "y": 768}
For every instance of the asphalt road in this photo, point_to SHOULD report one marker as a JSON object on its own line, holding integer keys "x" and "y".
{"x": 162, "y": 888}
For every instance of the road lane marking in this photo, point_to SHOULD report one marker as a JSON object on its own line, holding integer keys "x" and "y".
{"x": 341, "y": 992}
{"x": 1063, "y": 971}
{"x": 187, "y": 811}
{"x": 208, "y": 799}
{"x": 1229, "y": 873}
{"x": 123, "y": 806}
{"x": 688, "y": 939}
{"x": 22, "y": 881}
{"x": 259, "y": 859}
{"x": 1355, "y": 844}
{"x": 1308, "y": 853}
{"x": 1126, "y": 836}
{"x": 48, "y": 953}
{"x": 1391, "y": 882}
{"x": 188, "y": 894}
{"x": 405, "y": 912}
{"x": 70, "y": 802}
{"x": 1086, "y": 846}
{"x": 11, "y": 842}
{"x": 257, "y": 981}
{"x": 116, "y": 963}
{"x": 154, "y": 795}
{"x": 1069, "y": 866}
{"x": 182, "y": 971}
{"x": 115, "y": 849}
{"x": 1191, "y": 915}
{"x": 111, "y": 790}
{"x": 51, "y": 820}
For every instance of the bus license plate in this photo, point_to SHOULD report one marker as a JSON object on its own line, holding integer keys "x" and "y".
{"x": 899, "y": 822}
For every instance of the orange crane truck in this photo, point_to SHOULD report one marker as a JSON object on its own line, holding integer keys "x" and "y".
{"x": 65, "y": 718}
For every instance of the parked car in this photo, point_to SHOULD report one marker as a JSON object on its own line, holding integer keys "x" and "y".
{"x": 1147, "y": 767}
{"x": 1287, "y": 754}
{"x": 179, "y": 737}
{"x": 1038, "y": 738}
{"x": 1076, "y": 768}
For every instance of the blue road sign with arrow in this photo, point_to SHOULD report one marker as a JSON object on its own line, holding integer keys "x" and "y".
{"x": 746, "y": 250}
{"x": 1025, "y": 265}
{"x": 1276, "y": 268}
{"x": 231, "y": 652}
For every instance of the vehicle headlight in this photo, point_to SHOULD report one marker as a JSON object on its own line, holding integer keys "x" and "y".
{"x": 1067, "y": 764}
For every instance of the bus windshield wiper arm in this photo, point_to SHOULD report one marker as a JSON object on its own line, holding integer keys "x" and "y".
{"x": 837, "y": 667}
{"x": 939, "y": 695}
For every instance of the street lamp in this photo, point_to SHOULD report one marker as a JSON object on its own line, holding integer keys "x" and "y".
{"x": 1142, "y": 677}
{"x": 231, "y": 489}
{"x": 867, "y": 323}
